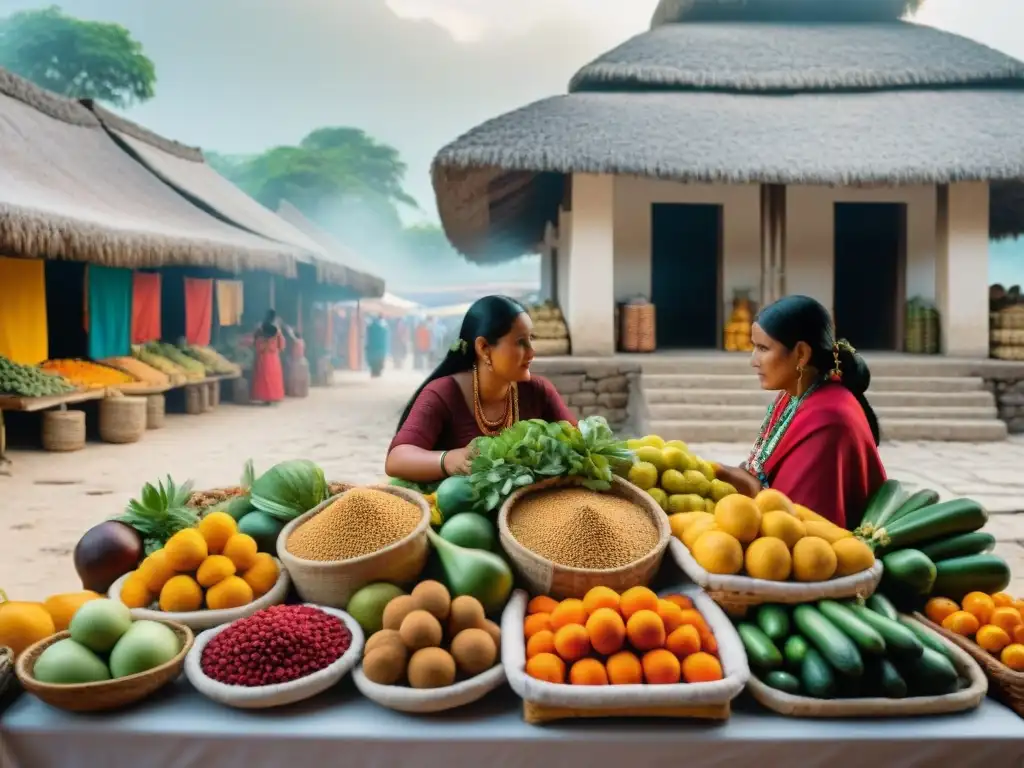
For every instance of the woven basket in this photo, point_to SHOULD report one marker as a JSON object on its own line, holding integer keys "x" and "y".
{"x": 122, "y": 419}
{"x": 333, "y": 583}
{"x": 109, "y": 694}
{"x": 204, "y": 397}
{"x": 638, "y": 328}
{"x": 1008, "y": 353}
{"x": 544, "y": 577}
{"x": 156, "y": 411}
{"x": 402, "y": 698}
{"x": 736, "y": 594}
{"x": 802, "y": 706}
{"x": 63, "y": 431}
{"x": 1009, "y": 318}
{"x": 7, "y": 677}
{"x": 551, "y": 347}
{"x": 213, "y": 393}
{"x": 1005, "y": 684}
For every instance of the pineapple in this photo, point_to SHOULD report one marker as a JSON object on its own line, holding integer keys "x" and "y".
{"x": 160, "y": 512}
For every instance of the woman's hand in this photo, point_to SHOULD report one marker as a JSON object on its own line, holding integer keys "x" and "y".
{"x": 458, "y": 462}
{"x": 740, "y": 479}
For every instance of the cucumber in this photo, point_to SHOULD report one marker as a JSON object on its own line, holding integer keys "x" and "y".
{"x": 884, "y": 502}
{"x": 760, "y": 649}
{"x": 816, "y": 676}
{"x": 794, "y": 651}
{"x": 973, "y": 573}
{"x": 866, "y": 638}
{"x": 974, "y": 543}
{"x": 836, "y": 647}
{"x": 919, "y": 500}
{"x": 774, "y": 622}
{"x": 911, "y": 568}
{"x": 931, "y": 674}
{"x": 783, "y": 681}
{"x": 928, "y": 639}
{"x": 899, "y": 641}
{"x": 945, "y": 519}
{"x": 880, "y": 604}
{"x": 886, "y": 679}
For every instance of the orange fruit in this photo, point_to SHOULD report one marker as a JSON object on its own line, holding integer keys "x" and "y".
{"x": 1003, "y": 600}
{"x": 961, "y": 623}
{"x": 546, "y": 667}
{"x": 645, "y": 630}
{"x": 992, "y": 638}
{"x": 572, "y": 642}
{"x": 979, "y": 605}
{"x": 541, "y": 604}
{"x": 538, "y": 622}
{"x": 637, "y": 599}
{"x": 1018, "y": 633}
{"x": 1013, "y": 657}
{"x": 542, "y": 642}
{"x": 683, "y": 641}
{"x": 607, "y": 631}
{"x": 701, "y": 668}
{"x": 661, "y": 667}
{"x": 600, "y": 597}
{"x": 1005, "y": 618}
{"x": 681, "y": 600}
{"x": 671, "y": 614}
{"x": 938, "y": 608}
{"x": 624, "y": 668}
{"x": 569, "y": 611}
{"x": 588, "y": 672}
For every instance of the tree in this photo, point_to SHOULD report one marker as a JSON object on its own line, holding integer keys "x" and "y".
{"x": 76, "y": 58}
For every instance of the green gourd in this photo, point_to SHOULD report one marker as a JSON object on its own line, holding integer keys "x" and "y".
{"x": 474, "y": 572}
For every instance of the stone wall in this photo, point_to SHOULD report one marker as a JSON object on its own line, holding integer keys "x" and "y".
{"x": 593, "y": 386}
{"x": 1009, "y": 394}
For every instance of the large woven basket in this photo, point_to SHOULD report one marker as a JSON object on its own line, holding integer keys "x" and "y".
{"x": 109, "y": 694}
{"x": 194, "y": 399}
{"x": 1006, "y": 685}
{"x": 333, "y": 583}
{"x": 122, "y": 419}
{"x": 638, "y": 327}
{"x": 156, "y": 410}
{"x": 63, "y": 431}
{"x": 544, "y": 577}
{"x": 7, "y": 677}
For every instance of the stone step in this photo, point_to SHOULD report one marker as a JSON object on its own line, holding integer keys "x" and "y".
{"x": 747, "y": 381}
{"x": 927, "y": 366}
{"x": 729, "y": 412}
{"x": 759, "y": 397}
{"x": 745, "y": 430}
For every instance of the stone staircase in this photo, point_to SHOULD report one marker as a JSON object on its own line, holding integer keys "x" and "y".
{"x": 715, "y": 397}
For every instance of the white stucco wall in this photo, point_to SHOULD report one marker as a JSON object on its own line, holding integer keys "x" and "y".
{"x": 962, "y": 269}
{"x": 590, "y": 290}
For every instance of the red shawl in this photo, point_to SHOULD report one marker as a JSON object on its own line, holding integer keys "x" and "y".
{"x": 828, "y": 461}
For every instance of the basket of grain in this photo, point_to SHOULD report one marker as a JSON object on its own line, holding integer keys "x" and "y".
{"x": 373, "y": 533}
{"x": 564, "y": 539}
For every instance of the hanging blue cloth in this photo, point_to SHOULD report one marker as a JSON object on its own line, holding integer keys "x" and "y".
{"x": 110, "y": 311}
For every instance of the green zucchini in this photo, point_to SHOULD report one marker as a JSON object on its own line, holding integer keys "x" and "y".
{"x": 774, "y": 622}
{"x": 880, "y": 604}
{"x": 886, "y": 500}
{"x": 816, "y": 676}
{"x": 974, "y": 573}
{"x": 974, "y": 543}
{"x": 783, "y": 681}
{"x": 919, "y": 500}
{"x": 911, "y": 569}
{"x": 931, "y": 674}
{"x": 928, "y": 639}
{"x": 866, "y": 638}
{"x": 794, "y": 651}
{"x": 886, "y": 679}
{"x": 836, "y": 647}
{"x": 899, "y": 641}
{"x": 760, "y": 649}
{"x": 945, "y": 519}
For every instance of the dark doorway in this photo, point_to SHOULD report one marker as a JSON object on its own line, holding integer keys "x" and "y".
{"x": 870, "y": 262}
{"x": 685, "y": 274}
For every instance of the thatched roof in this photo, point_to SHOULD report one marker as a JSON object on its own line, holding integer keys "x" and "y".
{"x": 742, "y": 102}
{"x": 185, "y": 169}
{"x": 67, "y": 191}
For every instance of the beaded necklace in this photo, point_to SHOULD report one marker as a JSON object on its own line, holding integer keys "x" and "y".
{"x": 773, "y": 429}
{"x": 507, "y": 419}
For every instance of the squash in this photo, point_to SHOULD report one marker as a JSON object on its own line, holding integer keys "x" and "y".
{"x": 23, "y": 624}
{"x": 974, "y": 573}
{"x": 948, "y": 518}
{"x": 62, "y": 607}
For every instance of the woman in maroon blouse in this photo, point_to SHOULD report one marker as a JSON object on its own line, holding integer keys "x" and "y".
{"x": 482, "y": 386}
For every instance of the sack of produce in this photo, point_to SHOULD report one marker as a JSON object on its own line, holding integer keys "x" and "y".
{"x": 629, "y": 654}
{"x": 837, "y": 658}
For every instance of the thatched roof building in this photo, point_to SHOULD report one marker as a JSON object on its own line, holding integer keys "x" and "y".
{"x": 842, "y": 93}
{"x": 184, "y": 168}
{"x": 67, "y": 191}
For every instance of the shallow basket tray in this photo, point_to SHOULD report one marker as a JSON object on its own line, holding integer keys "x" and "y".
{"x": 280, "y": 694}
{"x": 1005, "y": 684}
{"x": 7, "y": 677}
{"x": 802, "y": 706}
{"x": 416, "y": 701}
{"x": 200, "y": 620}
{"x": 544, "y": 577}
{"x": 738, "y": 593}
{"x": 545, "y": 702}
{"x": 107, "y": 694}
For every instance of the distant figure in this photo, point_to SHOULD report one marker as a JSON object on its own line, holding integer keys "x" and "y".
{"x": 438, "y": 334}
{"x": 423, "y": 346}
{"x": 400, "y": 343}
{"x": 267, "y": 374}
{"x": 376, "y": 346}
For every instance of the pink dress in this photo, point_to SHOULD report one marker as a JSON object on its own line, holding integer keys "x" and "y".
{"x": 267, "y": 374}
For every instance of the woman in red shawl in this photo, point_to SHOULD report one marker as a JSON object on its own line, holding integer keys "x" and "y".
{"x": 482, "y": 386}
{"x": 267, "y": 375}
{"x": 818, "y": 444}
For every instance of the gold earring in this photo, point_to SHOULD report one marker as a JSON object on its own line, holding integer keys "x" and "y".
{"x": 800, "y": 381}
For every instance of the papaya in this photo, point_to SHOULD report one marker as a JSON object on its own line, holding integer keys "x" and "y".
{"x": 62, "y": 607}
{"x": 23, "y": 624}
{"x": 455, "y": 495}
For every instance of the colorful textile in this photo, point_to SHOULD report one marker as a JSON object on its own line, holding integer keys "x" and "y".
{"x": 198, "y": 311}
{"x": 267, "y": 373}
{"x": 145, "y": 307}
{"x": 109, "y": 311}
{"x": 23, "y": 329}
{"x": 229, "y": 302}
{"x": 376, "y": 342}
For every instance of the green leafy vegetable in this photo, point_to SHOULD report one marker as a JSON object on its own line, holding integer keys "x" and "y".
{"x": 424, "y": 488}
{"x": 289, "y": 489}
{"x": 159, "y": 512}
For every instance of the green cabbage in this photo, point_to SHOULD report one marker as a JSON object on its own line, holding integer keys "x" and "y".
{"x": 289, "y": 489}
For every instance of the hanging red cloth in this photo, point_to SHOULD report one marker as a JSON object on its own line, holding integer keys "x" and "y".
{"x": 145, "y": 307}
{"x": 198, "y": 311}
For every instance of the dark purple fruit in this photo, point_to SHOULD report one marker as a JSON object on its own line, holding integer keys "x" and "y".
{"x": 106, "y": 553}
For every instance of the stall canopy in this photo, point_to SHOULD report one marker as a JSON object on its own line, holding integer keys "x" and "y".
{"x": 67, "y": 191}
{"x": 184, "y": 168}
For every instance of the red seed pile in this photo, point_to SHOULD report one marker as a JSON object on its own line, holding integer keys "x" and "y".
{"x": 276, "y": 645}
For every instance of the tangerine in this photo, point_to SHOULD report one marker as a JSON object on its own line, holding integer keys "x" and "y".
{"x": 684, "y": 641}
{"x": 607, "y": 631}
{"x": 569, "y": 611}
{"x": 1006, "y": 619}
{"x": 546, "y": 667}
{"x": 938, "y": 608}
{"x": 541, "y": 604}
{"x": 624, "y": 668}
{"x": 671, "y": 615}
{"x": 646, "y": 630}
{"x": 588, "y": 672}
{"x": 979, "y": 605}
{"x": 541, "y": 642}
{"x": 961, "y": 623}
{"x": 535, "y": 623}
{"x": 661, "y": 667}
{"x": 572, "y": 642}
{"x": 681, "y": 600}
{"x": 701, "y": 667}
{"x": 637, "y": 599}
{"x": 600, "y": 597}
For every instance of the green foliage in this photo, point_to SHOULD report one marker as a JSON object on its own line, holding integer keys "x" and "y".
{"x": 76, "y": 58}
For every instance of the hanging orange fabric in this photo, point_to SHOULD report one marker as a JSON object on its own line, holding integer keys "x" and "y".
{"x": 230, "y": 302}
{"x": 23, "y": 329}
{"x": 198, "y": 311}
{"x": 145, "y": 307}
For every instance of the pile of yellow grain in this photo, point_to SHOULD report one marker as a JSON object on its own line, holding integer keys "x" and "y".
{"x": 359, "y": 523}
{"x": 583, "y": 529}
{"x": 138, "y": 369}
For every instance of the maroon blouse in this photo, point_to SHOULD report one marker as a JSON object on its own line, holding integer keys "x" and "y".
{"x": 441, "y": 420}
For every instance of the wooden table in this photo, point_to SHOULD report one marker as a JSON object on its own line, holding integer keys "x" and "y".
{"x": 33, "y": 404}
